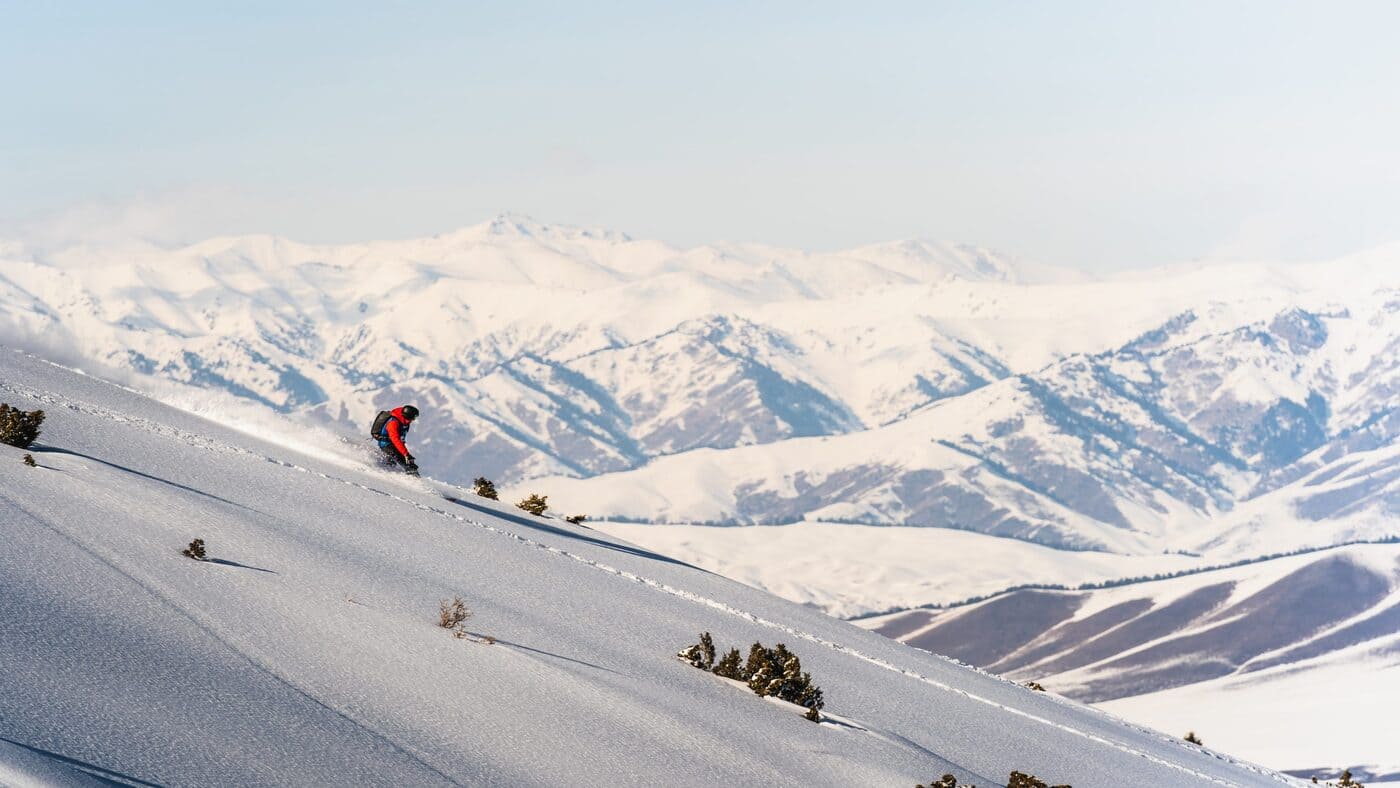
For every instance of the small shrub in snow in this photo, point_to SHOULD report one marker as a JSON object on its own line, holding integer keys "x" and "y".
{"x": 452, "y": 616}
{"x": 1192, "y": 738}
{"x": 576, "y": 519}
{"x": 19, "y": 428}
{"x": 195, "y": 550}
{"x": 485, "y": 488}
{"x": 1035, "y": 685}
{"x": 536, "y": 504}
{"x": 28, "y": 459}
{"x": 1345, "y": 781}
{"x": 730, "y": 666}
{"x": 1023, "y": 780}
{"x": 775, "y": 671}
{"x": 1017, "y": 780}
{"x": 702, "y": 654}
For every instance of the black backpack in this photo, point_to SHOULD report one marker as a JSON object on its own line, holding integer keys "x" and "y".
{"x": 377, "y": 431}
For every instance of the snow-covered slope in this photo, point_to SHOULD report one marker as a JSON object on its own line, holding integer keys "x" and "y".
{"x": 1290, "y": 660}
{"x": 305, "y": 651}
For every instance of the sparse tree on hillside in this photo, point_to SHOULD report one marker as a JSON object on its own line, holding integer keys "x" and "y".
{"x": 730, "y": 666}
{"x": 485, "y": 488}
{"x": 1345, "y": 781}
{"x": 702, "y": 654}
{"x": 776, "y": 672}
{"x": 1023, "y": 780}
{"x": 19, "y": 428}
{"x": 535, "y": 504}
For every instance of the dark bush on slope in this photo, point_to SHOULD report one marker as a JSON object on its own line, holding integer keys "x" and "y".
{"x": 1023, "y": 780}
{"x": 535, "y": 504}
{"x": 1016, "y": 780}
{"x": 730, "y": 666}
{"x": 195, "y": 550}
{"x": 776, "y": 672}
{"x": 28, "y": 459}
{"x": 452, "y": 616}
{"x": 702, "y": 654}
{"x": 1345, "y": 781}
{"x": 1192, "y": 738}
{"x": 19, "y": 428}
{"x": 485, "y": 488}
{"x": 576, "y": 519}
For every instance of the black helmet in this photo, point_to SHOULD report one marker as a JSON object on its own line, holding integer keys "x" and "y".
{"x": 410, "y": 412}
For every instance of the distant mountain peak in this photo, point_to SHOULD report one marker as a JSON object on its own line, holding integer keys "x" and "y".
{"x": 518, "y": 225}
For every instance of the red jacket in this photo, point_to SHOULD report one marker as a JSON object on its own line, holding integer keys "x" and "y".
{"x": 396, "y": 428}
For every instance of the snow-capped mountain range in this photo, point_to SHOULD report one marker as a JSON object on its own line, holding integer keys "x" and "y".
{"x": 905, "y": 383}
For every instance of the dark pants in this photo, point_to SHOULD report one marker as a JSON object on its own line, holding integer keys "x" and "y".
{"x": 392, "y": 456}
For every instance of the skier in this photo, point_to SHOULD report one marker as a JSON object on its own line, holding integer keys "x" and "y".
{"x": 390, "y": 428}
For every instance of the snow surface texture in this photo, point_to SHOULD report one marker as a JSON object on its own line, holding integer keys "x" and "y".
{"x": 852, "y": 570}
{"x": 305, "y": 649}
{"x": 920, "y": 383}
{"x": 1294, "y": 662}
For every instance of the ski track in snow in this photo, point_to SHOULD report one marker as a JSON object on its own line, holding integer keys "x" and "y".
{"x": 212, "y": 444}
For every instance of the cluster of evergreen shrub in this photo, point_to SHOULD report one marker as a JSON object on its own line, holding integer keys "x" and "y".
{"x": 1345, "y": 781}
{"x": 195, "y": 550}
{"x": 1016, "y": 780}
{"x": 535, "y": 504}
{"x": 485, "y": 488}
{"x": 28, "y": 459}
{"x": 19, "y": 428}
{"x": 1023, "y": 780}
{"x": 768, "y": 671}
{"x": 1192, "y": 738}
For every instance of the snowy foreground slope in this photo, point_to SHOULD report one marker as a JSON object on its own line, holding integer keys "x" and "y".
{"x": 306, "y": 651}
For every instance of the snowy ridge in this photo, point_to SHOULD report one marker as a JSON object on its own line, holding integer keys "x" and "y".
{"x": 1221, "y": 652}
{"x": 914, "y": 382}
{"x": 312, "y": 627}
{"x": 1173, "y": 441}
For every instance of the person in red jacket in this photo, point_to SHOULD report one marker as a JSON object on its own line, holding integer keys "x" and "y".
{"x": 390, "y": 429}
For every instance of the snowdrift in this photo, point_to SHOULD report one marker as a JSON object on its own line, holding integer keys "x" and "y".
{"x": 305, "y": 650}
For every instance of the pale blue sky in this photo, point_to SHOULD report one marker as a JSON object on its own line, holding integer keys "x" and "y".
{"x": 1105, "y": 135}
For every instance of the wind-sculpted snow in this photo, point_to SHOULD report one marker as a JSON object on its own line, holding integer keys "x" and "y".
{"x": 305, "y": 651}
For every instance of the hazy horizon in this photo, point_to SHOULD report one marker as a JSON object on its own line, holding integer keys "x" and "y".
{"x": 1086, "y": 135}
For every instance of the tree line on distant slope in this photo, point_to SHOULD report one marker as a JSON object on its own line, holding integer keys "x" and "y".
{"x": 1125, "y": 581}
